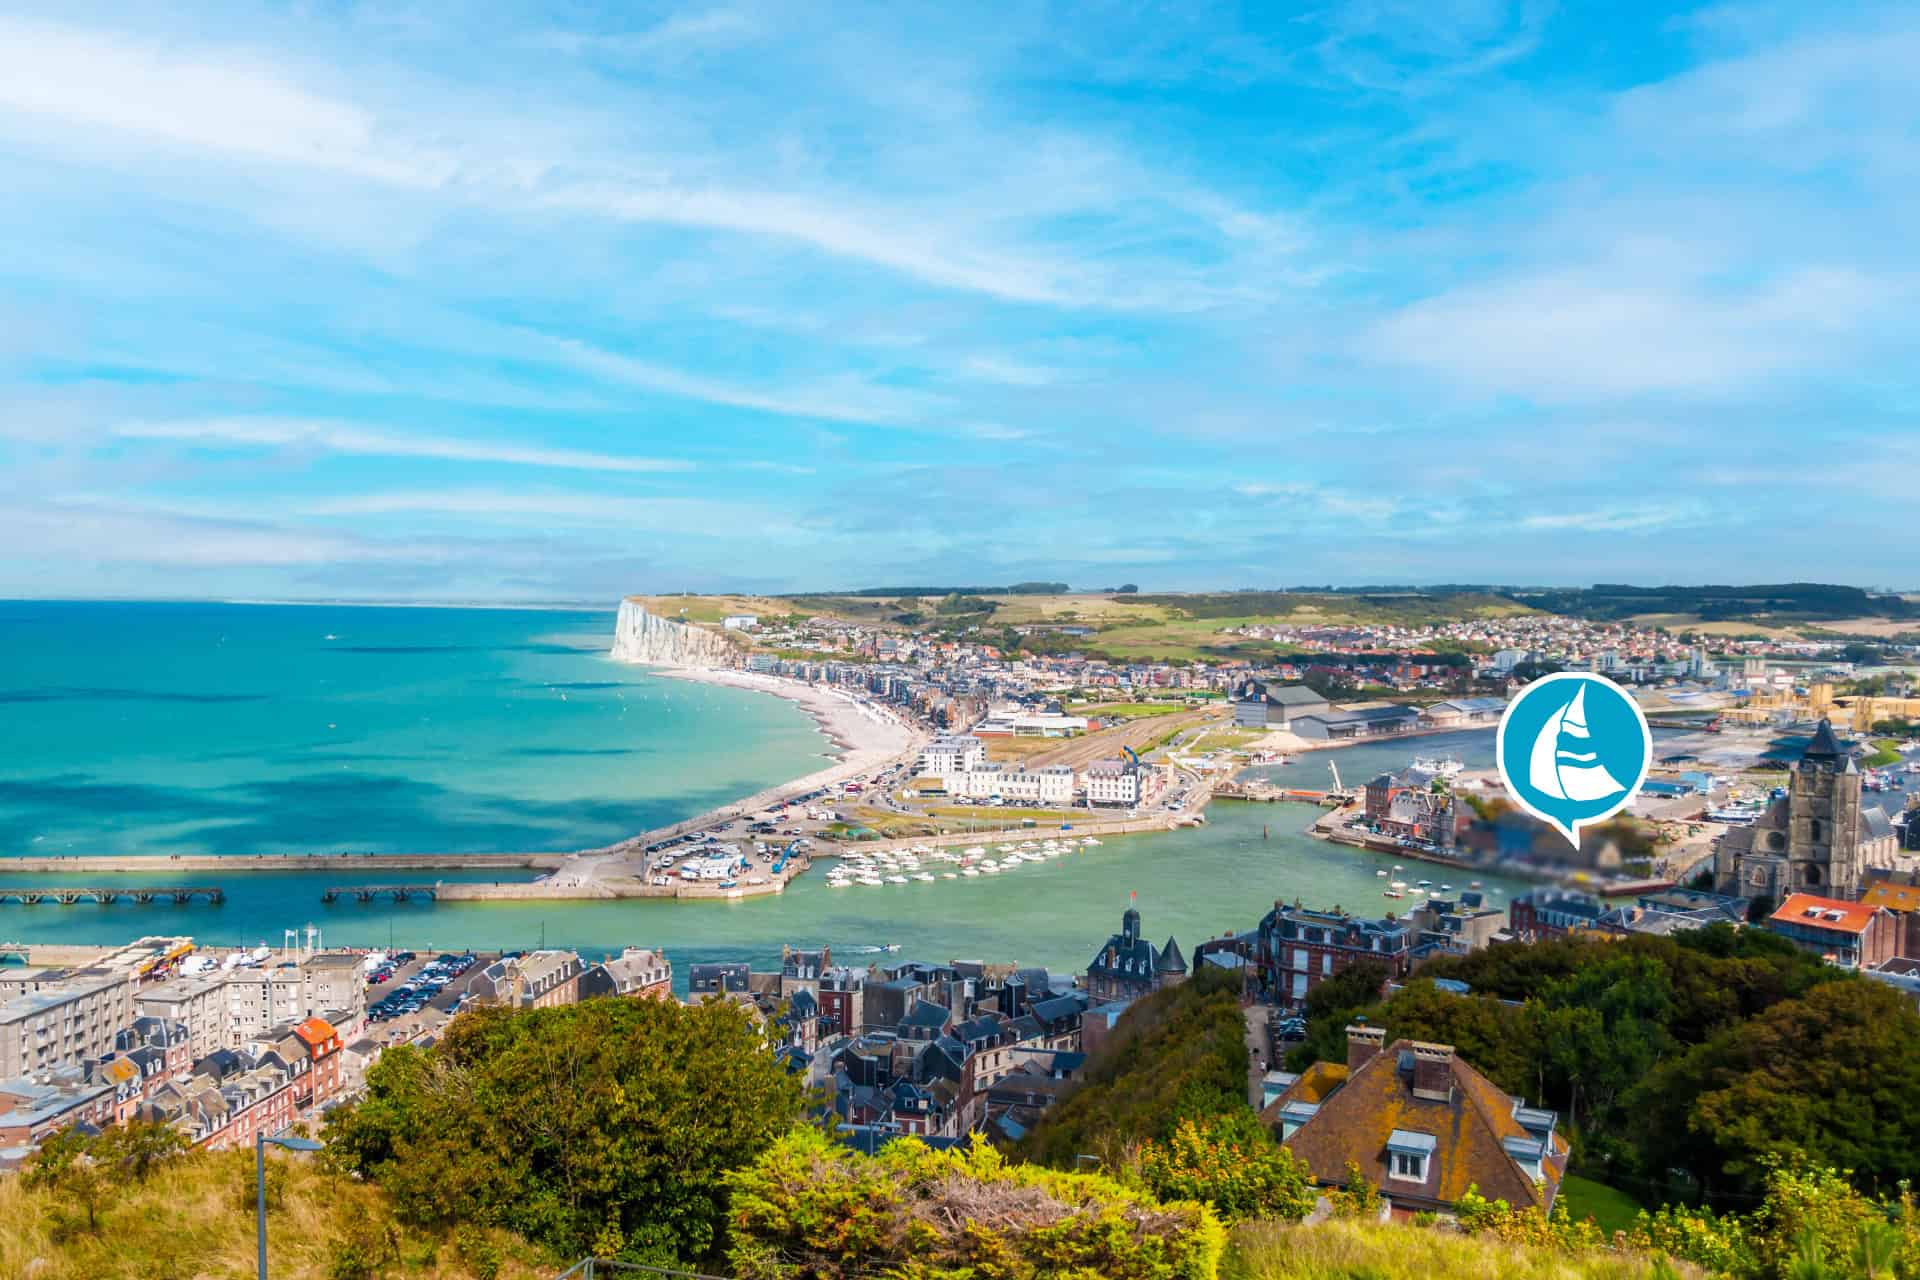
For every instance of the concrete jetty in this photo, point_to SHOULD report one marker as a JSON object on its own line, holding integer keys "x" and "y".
{"x": 134, "y": 864}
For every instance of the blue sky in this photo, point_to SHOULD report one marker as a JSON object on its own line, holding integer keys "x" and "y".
{"x": 538, "y": 302}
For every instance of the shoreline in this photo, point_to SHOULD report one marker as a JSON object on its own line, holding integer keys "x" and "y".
{"x": 863, "y": 737}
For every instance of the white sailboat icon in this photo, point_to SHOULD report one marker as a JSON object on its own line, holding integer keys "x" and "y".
{"x": 1565, "y": 772}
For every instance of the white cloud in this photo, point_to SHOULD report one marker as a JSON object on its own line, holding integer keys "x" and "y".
{"x": 1573, "y": 334}
{"x": 218, "y": 100}
{"x": 838, "y": 399}
{"x": 333, "y": 437}
{"x": 1614, "y": 519}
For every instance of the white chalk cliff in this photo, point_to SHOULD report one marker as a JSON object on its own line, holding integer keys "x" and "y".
{"x": 639, "y": 636}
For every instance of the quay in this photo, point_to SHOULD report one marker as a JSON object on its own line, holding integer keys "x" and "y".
{"x": 137, "y": 864}
{"x": 67, "y": 895}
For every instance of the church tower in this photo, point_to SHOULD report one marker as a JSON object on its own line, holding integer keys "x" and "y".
{"x": 1823, "y": 841}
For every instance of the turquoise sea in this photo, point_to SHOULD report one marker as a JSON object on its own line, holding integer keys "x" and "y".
{"x": 211, "y": 728}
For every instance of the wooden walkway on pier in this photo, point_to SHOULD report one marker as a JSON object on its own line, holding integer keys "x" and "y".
{"x": 67, "y": 895}
{"x": 368, "y": 892}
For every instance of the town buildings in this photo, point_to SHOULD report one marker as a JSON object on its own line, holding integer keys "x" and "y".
{"x": 1268, "y": 704}
{"x": 65, "y": 1019}
{"x": 1819, "y": 838}
{"x": 637, "y": 971}
{"x": 1298, "y": 947}
{"x": 1129, "y": 966}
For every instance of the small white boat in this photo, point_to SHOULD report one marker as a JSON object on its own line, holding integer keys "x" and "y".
{"x": 948, "y": 875}
{"x": 896, "y": 879}
{"x": 1381, "y": 874}
{"x": 870, "y": 880}
{"x": 971, "y": 871}
{"x": 1091, "y": 843}
{"x": 989, "y": 869}
{"x": 924, "y": 876}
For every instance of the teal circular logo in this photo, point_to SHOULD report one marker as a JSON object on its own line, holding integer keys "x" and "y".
{"x": 1573, "y": 749}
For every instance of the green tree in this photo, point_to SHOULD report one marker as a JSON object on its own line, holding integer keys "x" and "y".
{"x": 1832, "y": 1076}
{"x": 134, "y": 1151}
{"x": 64, "y": 1164}
{"x": 610, "y": 1120}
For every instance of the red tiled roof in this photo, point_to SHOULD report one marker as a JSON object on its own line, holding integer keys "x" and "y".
{"x": 315, "y": 1031}
{"x": 1824, "y": 913}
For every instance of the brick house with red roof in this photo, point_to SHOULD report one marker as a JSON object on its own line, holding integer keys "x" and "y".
{"x": 1421, "y": 1124}
{"x": 321, "y": 1080}
{"x": 1853, "y": 935}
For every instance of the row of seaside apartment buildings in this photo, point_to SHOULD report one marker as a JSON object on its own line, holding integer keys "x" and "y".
{"x": 959, "y": 762}
{"x": 934, "y": 1050}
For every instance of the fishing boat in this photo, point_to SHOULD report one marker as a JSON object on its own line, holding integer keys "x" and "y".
{"x": 1393, "y": 893}
{"x": 1381, "y": 874}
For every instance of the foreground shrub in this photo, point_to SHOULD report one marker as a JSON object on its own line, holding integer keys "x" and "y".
{"x": 1231, "y": 1163}
{"x": 810, "y": 1209}
{"x": 602, "y": 1127}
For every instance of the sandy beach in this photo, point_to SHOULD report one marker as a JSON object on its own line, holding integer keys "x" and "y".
{"x": 864, "y": 736}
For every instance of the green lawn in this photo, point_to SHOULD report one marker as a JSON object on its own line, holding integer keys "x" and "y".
{"x": 1886, "y": 751}
{"x": 1128, "y": 710}
{"x": 1585, "y": 1198}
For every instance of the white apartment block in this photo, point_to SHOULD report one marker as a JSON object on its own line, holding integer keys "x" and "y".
{"x": 944, "y": 757}
{"x": 63, "y": 1023}
{"x": 1048, "y": 785}
{"x": 225, "y": 1010}
{"x": 1115, "y": 782}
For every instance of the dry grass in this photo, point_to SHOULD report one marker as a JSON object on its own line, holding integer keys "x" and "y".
{"x": 194, "y": 1220}
{"x": 1091, "y": 609}
{"x": 1264, "y": 1251}
{"x": 713, "y": 609}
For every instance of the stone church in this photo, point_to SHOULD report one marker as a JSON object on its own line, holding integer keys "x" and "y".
{"x": 1819, "y": 839}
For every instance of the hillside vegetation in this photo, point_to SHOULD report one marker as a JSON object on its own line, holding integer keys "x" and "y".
{"x": 1178, "y": 1054}
{"x": 193, "y": 1217}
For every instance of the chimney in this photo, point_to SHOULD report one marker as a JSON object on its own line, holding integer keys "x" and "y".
{"x": 1432, "y": 1071}
{"x": 1363, "y": 1042}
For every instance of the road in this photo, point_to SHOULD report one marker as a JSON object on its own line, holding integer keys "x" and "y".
{"x": 1256, "y": 1016}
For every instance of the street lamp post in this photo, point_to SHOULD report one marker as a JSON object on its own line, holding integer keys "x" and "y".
{"x": 260, "y": 1141}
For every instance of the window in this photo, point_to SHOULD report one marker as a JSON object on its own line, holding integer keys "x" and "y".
{"x": 1409, "y": 1166}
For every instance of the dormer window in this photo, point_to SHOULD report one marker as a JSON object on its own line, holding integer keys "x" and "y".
{"x": 1408, "y": 1154}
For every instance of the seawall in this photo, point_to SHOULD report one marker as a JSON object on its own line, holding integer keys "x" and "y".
{"x": 134, "y": 864}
